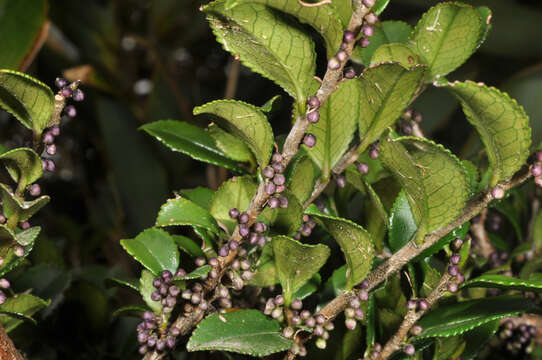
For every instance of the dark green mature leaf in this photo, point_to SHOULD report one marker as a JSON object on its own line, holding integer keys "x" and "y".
{"x": 402, "y": 224}
{"x": 455, "y": 319}
{"x": 504, "y": 282}
{"x": 459, "y": 232}
{"x": 45, "y": 280}
{"x": 356, "y": 244}
{"x": 15, "y": 206}
{"x": 302, "y": 178}
{"x": 137, "y": 310}
{"x": 486, "y": 15}
{"x": 285, "y": 220}
{"x": 386, "y": 90}
{"x": 18, "y": 41}
{"x": 246, "y": 121}
{"x": 386, "y": 32}
{"x": 195, "y": 274}
{"x": 232, "y": 146}
{"x": 267, "y": 43}
{"x": 20, "y": 306}
{"x": 234, "y": 193}
{"x": 130, "y": 283}
{"x": 309, "y": 288}
{"x": 477, "y": 338}
{"x": 336, "y": 127}
{"x": 395, "y": 52}
{"x": 146, "y": 289}
{"x": 182, "y": 211}
{"x": 246, "y": 332}
{"x": 322, "y": 18}
{"x": 446, "y": 36}
{"x": 501, "y": 123}
{"x": 154, "y": 249}
{"x": 29, "y": 100}
{"x": 188, "y": 245}
{"x": 23, "y": 165}
{"x": 190, "y": 140}
{"x": 266, "y": 271}
{"x": 296, "y": 263}
{"x": 202, "y": 196}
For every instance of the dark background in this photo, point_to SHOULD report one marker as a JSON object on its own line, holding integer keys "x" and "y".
{"x": 153, "y": 60}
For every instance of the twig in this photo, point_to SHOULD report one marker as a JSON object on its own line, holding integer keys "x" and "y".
{"x": 479, "y": 233}
{"x": 7, "y": 348}
{"x": 323, "y": 2}
{"x": 412, "y": 317}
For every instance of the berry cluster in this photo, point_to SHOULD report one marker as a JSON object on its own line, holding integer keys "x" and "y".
{"x": 275, "y": 184}
{"x": 353, "y": 311}
{"x": 149, "y": 334}
{"x": 409, "y": 116}
{"x": 306, "y": 227}
{"x": 518, "y": 336}
{"x": 453, "y": 269}
{"x": 4, "y": 285}
{"x": 367, "y": 29}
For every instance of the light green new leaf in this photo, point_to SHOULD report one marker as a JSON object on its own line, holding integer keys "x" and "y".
{"x": 245, "y": 121}
{"x": 146, "y": 289}
{"x": 455, "y": 319}
{"x": 23, "y": 165}
{"x": 296, "y": 263}
{"x": 336, "y": 127}
{"x": 356, "y": 244}
{"x": 15, "y": 206}
{"x": 302, "y": 178}
{"x": 188, "y": 245}
{"x": 322, "y": 18}
{"x": 18, "y": 41}
{"x": 231, "y": 145}
{"x": 190, "y": 140}
{"x": 502, "y": 124}
{"x": 395, "y": 52}
{"x": 154, "y": 249}
{"x": 267, "y": 43}
{"x": 29, "y": 100}
{"x": 234, "y": 193}
{"x": 247, "y": 332}
{"x": 195, "y": 274}
{"x": 446, "y": 36}
{"x": 28, "y": 236}
{"x": 18, "y": 307}
{"x": 386, "y": 91}
{"x": 266, "y": 271}
{"x": 386, "y": 32}
{"x": 182, "y": 211}
{"x": 496, "y": 281}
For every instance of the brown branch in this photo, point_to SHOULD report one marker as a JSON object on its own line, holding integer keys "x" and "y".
{"x": 8, "y": 351}
{"x": 412, "y": 317}
{"x": 478, "y": 230}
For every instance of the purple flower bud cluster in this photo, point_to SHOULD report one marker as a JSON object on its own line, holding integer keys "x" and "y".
{"x": 275, "y": 183}
{"x": 367, "y": 30}
{"x": 453, "y": 268}
{"x": 306, "y": 228}
{"x": 518, "y": 337}
{"x": 149, "y": 335}
{"x": 166, "y": 292}
{"x": 48, "y": 140}
{"x": 353, "y": 312}
{"x": 4, "y": 285}
{"x": 536, "y": 168}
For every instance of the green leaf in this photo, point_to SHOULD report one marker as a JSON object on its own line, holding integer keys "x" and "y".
{"x": 272, "y": 105}
{"x": 386, "y": 91}
{"x": 23, "y": 165}
{"x": 28, "y": 236}
{"x": 184, "y": 212}
{"x": 45, "y": 280}
{"x": 29, "y": 100}
{"x": 336, "y": 127}
{"x": 322, "y": 18}
{"x": 20, "y": 306}
{"x": 131, "y": 283}
{"x": 496, "y": 281}
{"x": 309, "y": 288}
{"x": 380, "y": 6}
{"x": 18, "y": 41}
{"x": 154, "y": 249}
{"x": 146, "y": 289}
{"x": 267, "y": 43}
{"x": 446, "y": 36}
{"x": 201, "y": 196}
{"x": 234, "y": 193}
{"x": 386, "y": 32}
{"x": 455, "y": 319}
{"x": 402, "y": 224}
{"x": 196, "y": 274}
{"x": 245, "y": 121}
{"x": 266, "y": 271}
{"x": 11, "y": 261}
{"x": 459, "y": 232}
{"x": 130, "y": 309}
{"x": 501, "y": 123}
{"x": 190, "y": 140}
{"x": 356, "y": 244}
{"x": 302, "y": 178}
{"x": 486, "y": 15}
{"x": 188, "y": 245}
{"x": 232, "y": 146}
{"x": 285, "y": 220}
{"x": 296, "y": 263}
{"x": 14, "y": 206}
{"x": 477, "y": 338}
{"x": 395, "y": 52}
{"x": 245, "y": 332}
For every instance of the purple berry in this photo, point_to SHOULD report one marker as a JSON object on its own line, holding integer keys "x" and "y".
{"x": 310, "y": 322}
{"x": 350, "y": 324}
{"x": 260, "y": 227}
{"x": 452, "y": 287}
{"x": 333, "y": 63}
{"x": 50, "y": 165}
{"x": 364, "y": 42}
{"x": 536, "y": 170}
{"x": 371, "y": 18}
{"x": 423, "y": 305}
{"x": 213, "y": 262}
{"x": 362, "y": 167}
{"x": 60, "y": 82}
{"x": 288, "y": 332}
{"x": 369, "y": 3}
{"x": 270, "y": 188}
{"x": 368, "y": 30}
{"x": 34, "y": 190}
{"x": 273, "y": 202}
{"x": 455, "y": 259}
{"x": 460, "y": 278}
{"x": 313, "y": 117}
{"x": 18, "y": 250}
{"x": 453, "y": 270}
{"x": 243, "y": 218}
{"x": 48, "y": 138}
{"x": 283, "y": 200}
{"x": 278, "y": 167}
{"x": 497, "y": 192}
{"x": 200, "y": 261}
{"x": 244, "y": 230}
{"x": 341, "y": 55}
{"x": 297, "y": 304}
{"x": 350, "y": 73}
{"x": 233, "y": 245}
{"x": 409, "y": 349}
{"x": 147, "y": 315}
{"x": 66, "y": 92}
{"x": 268, "y": 172}
{"x": 456, "y": 244}
{"x": 277, "y": 157}
{"x": 363, "y": 295}
{"x": 143, "y": 350}
{"x": 374, "y": 153}
{"x": 174, "y": 290}
{"x": 51, "y": 149}
{"x": 309, "y": 140}
{"x": 71, "y": 111}
{"x": 234, "y": 213}
{"x": 365, "y": 284}
{"x": 340, "y": 181}
{"x": 411, "y": 304}
{"x": 55, "y": 130}
{"x": 160, "y": 345}
{"x": 349, "y": 36}
{"x": 417, "y": 117}
{"x": 280, "y": 189}
{"x": 166, "y": 274}
{"x": 279, "y": 179}
{"x": 155, "y": 296}
{"x": 416, "y": 330}
{"x": 223, "y": 251}
{"x": 78, "y": 95}
{"x": 180, "y": 272}
{"x": 313, "y": 102}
